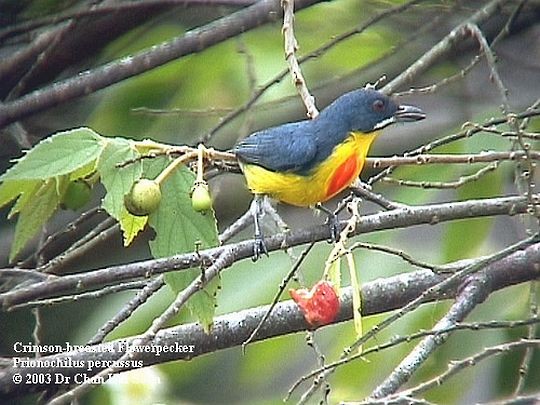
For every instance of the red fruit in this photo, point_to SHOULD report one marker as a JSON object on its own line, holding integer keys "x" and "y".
{"x": 320, "y": 306}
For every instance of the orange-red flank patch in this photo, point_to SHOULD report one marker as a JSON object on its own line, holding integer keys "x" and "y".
{"x": 344, "y": 175}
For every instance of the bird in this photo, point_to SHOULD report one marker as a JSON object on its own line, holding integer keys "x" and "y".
{"x": 306, "y": 163}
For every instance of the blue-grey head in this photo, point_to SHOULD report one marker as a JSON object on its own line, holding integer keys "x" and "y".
{"x": 368, "y": 110}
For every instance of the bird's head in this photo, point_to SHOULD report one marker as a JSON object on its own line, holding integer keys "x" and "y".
{"x": 368, "y": 110}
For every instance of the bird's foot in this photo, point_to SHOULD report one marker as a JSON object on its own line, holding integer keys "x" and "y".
{"x": 259, "y": 247}
{"x": 332, "y": 222}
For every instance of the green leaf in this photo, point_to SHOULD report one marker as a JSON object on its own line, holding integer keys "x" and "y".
{"x": 203, "y": 303}
{"x": 36, "y": 211}
{"x": 83, "y": 171}
{"x": 9, "y": 190}
{"x": 12, "y": 189}
{"x": 57, "y": 155}
{"x": 131, "y": 225}
{"x": 180, "y": 229}
{"x": 118, "y": 182}
{"x": 27, "y": 189}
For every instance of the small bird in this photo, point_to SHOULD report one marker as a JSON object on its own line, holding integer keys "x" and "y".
{"x": 308, "y": 162}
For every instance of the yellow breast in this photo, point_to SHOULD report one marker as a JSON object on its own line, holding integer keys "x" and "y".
{"x": 322, "y": 183}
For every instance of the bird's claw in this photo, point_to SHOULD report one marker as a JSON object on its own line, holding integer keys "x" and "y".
{"x": 332, "y": 222}
{"x": 259, "y": 247}
{"x": 334, "y": 226}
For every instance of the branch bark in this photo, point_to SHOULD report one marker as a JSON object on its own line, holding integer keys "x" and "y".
{"x": 396, "y": 218}
{"x": 468, "y": 297}
{"x": 193, "y": 41}
{"x": 233, "y": 329}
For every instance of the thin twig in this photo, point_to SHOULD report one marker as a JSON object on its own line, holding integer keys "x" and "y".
{"x": 231, "y": 330}
{"x": 223, "y": 261}
{"x": 471, "y": 269}
{"x": 107, "y": 9}
{"x": 526, "y": 360}
{"x": 312, "y": 55}
{"x": 469, "y": 130}
{"x": 92, "y": 295}
{"x": 398, "y": 340}
{"x": 444, "y": 184}
{"x": 105, "y": 230}
{"x": 140, "y": 298}
{"x": 457, "y": 366}
{"x": 310, "y": 340}
{"x": 463, "y": 72}
{"x": 363, "y": 190}
{"x": 442, "y": 47}
{"x": 473, "y": 29}
{"x": 474, "y": 292}
{"x": 236, "y": 227}
{"x": 281, "y": 288}
{"x": 482, "y": 157}
{"x": 113, "y": 72}
{"x": 415, "y": 303}
{"x": 400, "y": 253}
{"x": 291, "y": 46}
{"x": 64, "y": 232}
{"x": 394, "y": 219}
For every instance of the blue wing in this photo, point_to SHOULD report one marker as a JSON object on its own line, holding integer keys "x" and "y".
{"x": 289, "y": 147}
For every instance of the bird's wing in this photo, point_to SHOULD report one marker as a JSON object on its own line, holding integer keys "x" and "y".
{"x": 285, "y": 148}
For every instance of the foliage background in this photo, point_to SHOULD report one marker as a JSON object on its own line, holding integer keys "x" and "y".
{"x": 223, "y": 77}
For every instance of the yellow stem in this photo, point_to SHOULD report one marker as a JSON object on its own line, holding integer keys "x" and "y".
{"x": 174, "y": 164}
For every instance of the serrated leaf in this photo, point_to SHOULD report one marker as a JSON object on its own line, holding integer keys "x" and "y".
{"x": 57, "y": 155}
{"x": 36, "y": 212}
{"x": 203, "y": 303}
{"x": 27, "y": 190}
{"x": 131, "y": 225}
{"x": 180, "y": 229}
{"x": 9, "y": 191}
{"x": 118, "y": 180}
{"x": 12, "y": 189}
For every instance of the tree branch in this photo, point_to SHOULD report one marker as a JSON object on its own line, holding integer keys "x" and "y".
{"x": 482, "y": 157}
{"x": 396, "y": 218}
{"x": 193, "y": 41}
{"x": 291, "y": 46}
{"x": 443, "y": 47}
{"x": 474, "y": 292}
{"x": 233, "y": 329}
{"x": 108, "y": 9}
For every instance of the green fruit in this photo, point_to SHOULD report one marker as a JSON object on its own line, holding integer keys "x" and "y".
{"x": 143, "y": 198}
{"x": 200, "y": 197}
{"x": 77, "y": 195}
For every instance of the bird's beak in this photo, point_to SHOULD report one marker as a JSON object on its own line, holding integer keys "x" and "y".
{"x": 408, "y": 113}
{"x": 404, "y": 113}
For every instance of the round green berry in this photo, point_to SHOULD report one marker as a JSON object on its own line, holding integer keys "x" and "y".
{"x": 143, "y": 198}
{"x": 77, "y": 195}
{"x": 200, "y": 197}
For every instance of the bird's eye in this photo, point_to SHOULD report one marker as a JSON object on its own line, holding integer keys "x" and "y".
{"x": 378, "y": 105}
